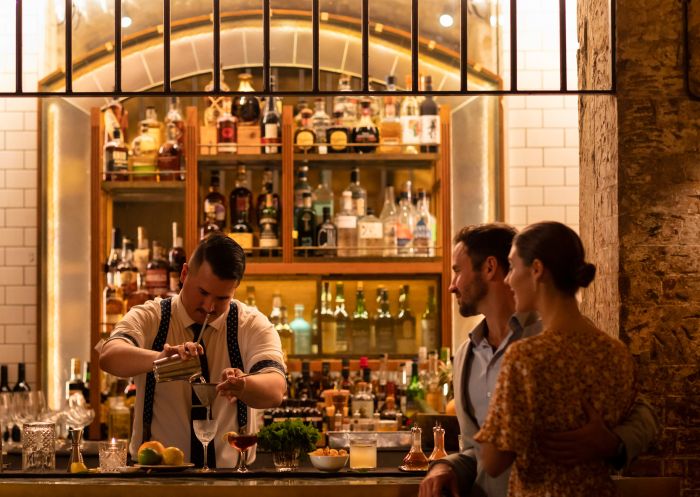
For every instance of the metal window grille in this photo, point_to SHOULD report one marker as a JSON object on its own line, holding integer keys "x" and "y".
{"x": 464, "y": 88}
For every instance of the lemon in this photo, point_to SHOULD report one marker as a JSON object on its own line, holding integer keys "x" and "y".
{"x": 78, "y": 467}
{"x": 173, "y": 456}
{"x": 227, "y": 435}
{"x": 149, "y": 457}
{"x": 153, "y": 444}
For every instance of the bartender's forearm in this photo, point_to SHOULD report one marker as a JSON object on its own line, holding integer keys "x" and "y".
{"x": 263, "y": 391}
{"x": 123, "y": 359}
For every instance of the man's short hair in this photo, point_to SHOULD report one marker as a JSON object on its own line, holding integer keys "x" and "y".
{"x": 225, "y": 256}
{"x": 486, "y": 240}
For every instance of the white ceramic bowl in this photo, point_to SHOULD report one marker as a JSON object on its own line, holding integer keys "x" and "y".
{"x": 329, "y": 463}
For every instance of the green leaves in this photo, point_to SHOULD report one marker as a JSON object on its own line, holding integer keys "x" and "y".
{"x": 288, "y": 435}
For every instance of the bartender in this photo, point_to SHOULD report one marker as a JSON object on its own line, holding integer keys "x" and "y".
{"x": 237, "y": 339}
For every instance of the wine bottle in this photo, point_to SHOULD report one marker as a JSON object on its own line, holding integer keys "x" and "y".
{"x": 306, "y": 226}
{"x": 270, "y": 125}
{"x": 429, "y": 121}
{"x": 177, "y": 259}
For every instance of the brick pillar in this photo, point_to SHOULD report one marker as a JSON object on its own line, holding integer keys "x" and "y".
{"x": 640, "y": 215}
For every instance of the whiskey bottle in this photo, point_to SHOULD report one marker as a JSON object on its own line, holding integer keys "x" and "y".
{"x": 429, "y": 121}
{"x": 242, "y": 233}
{"x": 269, "y": 228}
{"x": 390, "y": 127}
{"x": 301, "y": 186}
{"x": 215, "y": 203}
{"x": 389, "y": 217}
{"x": 177, "y": 259}
{"x": 323, "y": 196}
{"x": 360, "y": 324}
{"x": 171, "y": 158}
{"x": 370, "y": 235}
{"x": 424, "y": 233}
{"x": 384, "y": 326}
{"x": 326, "y": 235}
{"x": 116, "y": 159}
{"x": 155, "y": 128}
{"x": 304, "y": 136}
{"x": 359, "y": 194}
{"x": 405, "y": 325}
{"x": 306, "y": 226}
{"x": 248, "y": 106}
{"x": 226, "y": 136}
{"x": 142, "y": 254}
{"x": 157, "y": 273}
{"x": 270, "y": 125}
{"x": 340, "y": 318}
{"x": 410, "y": 121}
{"x": 365, "y": 134}
{"x": 429, "y": 322}
{"x": 140, "y": 296}
{"x": 112, "y": 305}
{"x": 301, "y": 329}
{"x": 337, "y": 135}
{"x": 126, "y": 271}
{"x": 346, "y": 224}
{"x": 144, "y": 154}
{"x": 285, "y": 332}
{"x": 320, "y": 122}
{"x": 174, "y": 116}
{"x": 327, "y": 321}
{"x": 241, "y": 198}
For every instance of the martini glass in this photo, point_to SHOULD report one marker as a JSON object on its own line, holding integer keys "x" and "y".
{"x": 205, "y": 430}
{"x": 242, "y": 441}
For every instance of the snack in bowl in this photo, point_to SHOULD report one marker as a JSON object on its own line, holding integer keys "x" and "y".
{"x": 327, "y": 459}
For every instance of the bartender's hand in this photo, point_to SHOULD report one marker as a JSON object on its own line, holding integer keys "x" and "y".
{"x": 231, "y": 385}
{"x": 185, "y": 350}
{"x": 593, "y": 441}
{"x": 440, "y": 476}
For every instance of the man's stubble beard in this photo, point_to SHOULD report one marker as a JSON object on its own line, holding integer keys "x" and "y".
{"x": 478, "y": 291}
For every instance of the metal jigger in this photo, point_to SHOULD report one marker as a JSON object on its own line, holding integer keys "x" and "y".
{"x": 76, "y": 437}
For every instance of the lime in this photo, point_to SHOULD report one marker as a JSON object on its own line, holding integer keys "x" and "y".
{"x": 149, "y": 457}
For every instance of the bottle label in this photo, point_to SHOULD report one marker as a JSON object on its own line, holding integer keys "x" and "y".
{"x": 359, "y": 206}
{"x": 174, "y": 281}
{"x": 429, "y": 333}
{"x": 268, "y": 242}
{"x": 157, "y": 281}
{"x": 170, "y": 163}
{"x": 227, "y": 133}
{"x": 346, "y": 222}
{"x": 271, "y": 136}
{"x": 338, "y": 140}
{"x": 305, "y": 139}
{"x": 127, "y": 281}
{"x": 430, "y": 129}
{"x": 245, "y": 240}
{"x": 422, "y": 237}
{"x": 410, "y": 126}
{"x": 404, "y": 235}
{"x": 370, "y": 230}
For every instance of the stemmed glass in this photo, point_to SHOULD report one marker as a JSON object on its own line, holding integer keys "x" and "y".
{"x": 205, "y": 430}
{"x": 242, "y": 441}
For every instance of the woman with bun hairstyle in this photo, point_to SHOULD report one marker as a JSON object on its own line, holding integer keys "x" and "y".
{"x": 548, "y": 381}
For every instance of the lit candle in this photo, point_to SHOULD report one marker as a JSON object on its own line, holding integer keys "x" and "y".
{"x": 113, "y": 443}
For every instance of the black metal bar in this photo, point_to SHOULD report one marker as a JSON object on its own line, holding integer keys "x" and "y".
{"x": 562, "y": 45}
{"x": 414, "y": 45}
{"x": 117, "y": 46}
{"x": 613, "y": 45}
{"x": 18, "y": 47}
{"x": 513, "y": 45}
{"x": 166, "y": 46}
{"x": 315, "y": 34}
{"x": 365, "y": 45}
{"x": 69, "y": 46}
{"x": 216, "y": 9}
{"x": 266, "y": 45}
{"x": 463, "y": 45}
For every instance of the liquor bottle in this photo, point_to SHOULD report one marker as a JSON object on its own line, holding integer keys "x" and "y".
{"x": 425, "y": 228}
{"x": 405, "y": 223}
{"x": 389, "y": 218}
{"x": 410, "y": 121}
{"x": 226, "y": 136}
{"x": 140, "y": 296}
{"x": 144, "y": 154}
{"x": 174, "y": 116}
{"x": 298, "y": 109}
{"x": 340, "y": 318}
{"x": 76, "y": 384}
{"x": 346, "y": 224}
{"x": 438, "y": 444}
{"x": 370, "y": 235}
{"x": 301, "y": 186}
{"x": 250, "y": 297}
{"x": 4, "y": 385}
{"x": 248, "y": 106}
{"x": 415, "y": 460}
{"x": 116, "y": 158}
{"x": 434, "y": 394}
{"x": 155, "y": 128}
{"x": 326, "y": 235}
{"x": 365, "y": 134}
{"x": 242, "y": 233}
{"x": 241, "y": 198}
{"x": 347, "y": 104}
{"x": 21, "y": 385}
{"x": 359, "y": 194}
{"x": 384, "y": 326}
{"x": 266, "y": 186}
{"x": 429, "y": 322}
{"x": 301, "y": 330}
{"x": 323, "y": 195}
{"x": 337, "y": 135}
{"x": 114, "y": 254}
{"x": 405, "y": 325}
{"x": 270, "y": 126}
{"x": 320, "y": 122}
{"x": 415, "y": 395}
{"x": 306, "y": 226}
{"x": 114, "y": 116}
{"x": 158, "y": 272}
{"x": 327, "y": 321}
{"x": 276, "y": 312}
{"x": 269, "y": 228}
{"x": 126, "y": 271}
{"x": 304, "y": 389}
{"x": 285, "y": 332}
{"x": 429, "y": 121}
{"x": 142, "y": 253}
{"x": 112, "y": 304}
{"x": 215, "y": 104}
{"x": 360, "y": 324}
{"x": 363, "y": 400}
{"x": 176, "y": 259}
{"x": 389, "y": 125}
{"x": 215, "y": 203}
{"x": 346, "y": 383}
{"x": 304, "y": 136}
{"x": 171, "y": 158}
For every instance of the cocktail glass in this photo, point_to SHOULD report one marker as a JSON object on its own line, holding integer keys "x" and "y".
{"x": 205, "y": 430}
{"x": 242, "y": 441}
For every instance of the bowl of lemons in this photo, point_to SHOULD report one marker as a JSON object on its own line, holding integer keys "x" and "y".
{"x": 329, "y": 460}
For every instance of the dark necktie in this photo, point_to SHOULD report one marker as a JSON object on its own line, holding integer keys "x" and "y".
{"x": 200, "y": 412}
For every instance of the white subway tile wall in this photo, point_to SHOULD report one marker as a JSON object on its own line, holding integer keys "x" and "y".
{"x": 18, "y": 192}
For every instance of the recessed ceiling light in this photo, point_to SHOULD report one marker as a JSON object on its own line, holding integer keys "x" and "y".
{"x": 126, "y": 21}
{"x": 446, "y": 20}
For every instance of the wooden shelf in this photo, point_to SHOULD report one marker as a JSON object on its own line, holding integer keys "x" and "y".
{"x": 402, "y": 161}
{"x": 387, "y": 267}
{"x": 231, "y": 161}
{"x": 145, "y": 191}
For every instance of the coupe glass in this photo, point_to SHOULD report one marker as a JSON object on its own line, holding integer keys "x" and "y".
{"x": 242, "y": 441}
{"x": 205, "y": 430}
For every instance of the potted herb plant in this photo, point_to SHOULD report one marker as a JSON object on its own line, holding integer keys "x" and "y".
{"x": 287, "y": 440}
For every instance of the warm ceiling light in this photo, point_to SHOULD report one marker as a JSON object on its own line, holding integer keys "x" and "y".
{"x": 446, "y": 21}
{"x": 126, "y": 22}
